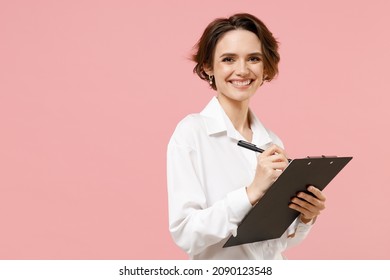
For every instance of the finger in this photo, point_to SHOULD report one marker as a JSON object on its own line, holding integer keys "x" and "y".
{"x": 277, "y": 157}
{"x": 278, "y": 165}
{"x": 317, "y": 193}
{"x": 312, "y": 200}
{"x": 307, "y": 214}
{"x": 267, "y": 160}
{"x": 276, "y": 173}
{"x": 274, "y": 149}
{"x": 273, "y": 165}
{"x": 305, "y": 208}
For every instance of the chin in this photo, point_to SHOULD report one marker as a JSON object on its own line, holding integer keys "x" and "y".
{"x": 238, "y": 96}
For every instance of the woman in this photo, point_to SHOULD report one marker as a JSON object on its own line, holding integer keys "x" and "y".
{"x": 212, "y": 183}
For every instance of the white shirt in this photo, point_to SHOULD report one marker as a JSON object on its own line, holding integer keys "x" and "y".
{"x": 207, "y": 175}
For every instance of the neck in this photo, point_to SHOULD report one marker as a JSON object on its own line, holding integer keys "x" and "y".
{"x": 237, "y": 111}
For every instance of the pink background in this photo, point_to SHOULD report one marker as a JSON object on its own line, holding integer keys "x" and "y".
{"x": 90, "y": 92}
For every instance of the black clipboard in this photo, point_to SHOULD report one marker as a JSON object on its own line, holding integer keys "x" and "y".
{"x": 271, "y": 216}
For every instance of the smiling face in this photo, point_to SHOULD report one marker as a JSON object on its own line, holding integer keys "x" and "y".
{"x": 237, "y": 65}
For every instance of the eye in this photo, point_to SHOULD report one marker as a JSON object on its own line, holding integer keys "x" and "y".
{"x": 227, "y": 59}
{"x": 254, "y": 59}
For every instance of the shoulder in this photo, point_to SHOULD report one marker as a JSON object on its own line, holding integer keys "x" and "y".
{"x": 188, "y": 129}
{"x": 190, "y": 124}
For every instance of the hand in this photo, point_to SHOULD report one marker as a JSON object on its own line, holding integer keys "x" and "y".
{"x": 310, "y": 206}
{"x": 270, "y": 164}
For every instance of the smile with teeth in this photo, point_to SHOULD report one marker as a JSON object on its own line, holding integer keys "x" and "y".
{"x": 241, "y": 83}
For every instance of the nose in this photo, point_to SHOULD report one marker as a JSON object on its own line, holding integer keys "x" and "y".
{"x": 242, "y": 68}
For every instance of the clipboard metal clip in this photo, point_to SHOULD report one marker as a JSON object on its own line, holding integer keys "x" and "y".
{"x": 322, "y": 156}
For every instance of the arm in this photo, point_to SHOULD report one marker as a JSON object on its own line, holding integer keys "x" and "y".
{"x": 310, "y": 207}
{"x": 270, "y": 164}
{"x": 195, "y": 225}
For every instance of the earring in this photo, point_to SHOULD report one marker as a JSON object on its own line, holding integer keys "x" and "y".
{"x": 211, "y": 79}
{"x": 263, "y": 80}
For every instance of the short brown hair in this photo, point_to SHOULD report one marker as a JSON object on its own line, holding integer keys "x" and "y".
{"x": 204, "y": 49}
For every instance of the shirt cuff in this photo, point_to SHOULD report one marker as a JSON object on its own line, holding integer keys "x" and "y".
{"x": 302, "y": 227}
{"x": 312, "y": 221}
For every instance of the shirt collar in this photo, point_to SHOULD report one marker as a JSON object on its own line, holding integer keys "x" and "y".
{"x": 217, "y": 121}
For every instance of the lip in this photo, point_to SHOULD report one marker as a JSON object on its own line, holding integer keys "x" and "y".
{"x": 241, "y": 83}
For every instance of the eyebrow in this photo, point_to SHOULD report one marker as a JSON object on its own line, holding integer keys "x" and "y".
{"x": 233, "y": 54}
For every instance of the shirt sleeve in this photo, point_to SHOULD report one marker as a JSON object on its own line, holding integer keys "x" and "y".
{"x": 193, "y": 224}
{"x": 297, "y": 232}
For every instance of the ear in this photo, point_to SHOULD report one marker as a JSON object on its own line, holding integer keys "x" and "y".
{"x": 208, "y": 70}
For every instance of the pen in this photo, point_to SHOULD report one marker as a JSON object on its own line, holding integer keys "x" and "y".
{"x": 252, "y": 147}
